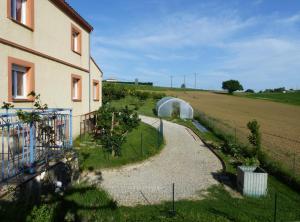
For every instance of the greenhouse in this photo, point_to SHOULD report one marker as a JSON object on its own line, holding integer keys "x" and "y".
{"x": 174, "y": 107}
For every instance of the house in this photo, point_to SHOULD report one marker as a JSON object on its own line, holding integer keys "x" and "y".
{"x": 45, "y": 47}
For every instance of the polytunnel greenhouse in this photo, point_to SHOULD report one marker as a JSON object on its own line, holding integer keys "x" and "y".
{"x": 174, "y": 107}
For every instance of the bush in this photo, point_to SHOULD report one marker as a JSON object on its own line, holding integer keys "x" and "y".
{"x": 251, "y": 161}
{"x": 250, "y": 91}
{"x": 43, "y": 213}
{"x": 255, "y": 136}
{"x": 113, "y": 92}
{"x": 142, "y": 95}
{"x": 158, "y": 96}
{"x": 231, "y": 149}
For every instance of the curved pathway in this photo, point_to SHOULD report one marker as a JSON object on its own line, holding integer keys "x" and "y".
{"x": 184, "y": 161}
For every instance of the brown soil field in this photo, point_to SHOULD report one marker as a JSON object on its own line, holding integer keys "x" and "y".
{"x": 280, "y": 123}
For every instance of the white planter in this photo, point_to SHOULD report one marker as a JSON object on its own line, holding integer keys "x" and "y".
{"x": 252, "y": 181}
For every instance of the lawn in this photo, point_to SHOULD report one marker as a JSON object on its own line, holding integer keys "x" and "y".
{"x": 292, "y": 98}
{"x": 88, "y": 203}
{"x": 143, "y": 107}
{"x": 92, "y": 156}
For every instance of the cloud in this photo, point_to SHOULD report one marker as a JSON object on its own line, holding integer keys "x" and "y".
{"x": 261, "y": 51}
{"x": 178, "y": 31}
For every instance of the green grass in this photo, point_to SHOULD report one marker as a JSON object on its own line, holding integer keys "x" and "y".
{"x": 143, "y": 107}
{"x": 292, "y": 98}
{"x": 88, "y": 203}
{"x": 92, "y": 157}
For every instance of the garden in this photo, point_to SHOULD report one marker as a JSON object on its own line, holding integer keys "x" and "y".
{"x": 112, "y": 145}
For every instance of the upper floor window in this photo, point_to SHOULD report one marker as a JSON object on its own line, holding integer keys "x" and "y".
{"x": 76, "y": 39}
{"x": 20, "y": 80}
{"x": 21, "y": 11}
{"x": 76, "y": 88}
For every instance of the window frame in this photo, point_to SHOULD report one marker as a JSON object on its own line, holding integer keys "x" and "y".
{"x": 29, "y": 14}
{"x": 15, "y": 86}
{"x": 79, "y": 88}
{"x": 29, "y": 83}
{"x": 97, "y": 96}
{"x": 79, "y": 39}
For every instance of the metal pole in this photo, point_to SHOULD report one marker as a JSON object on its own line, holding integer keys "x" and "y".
{"x": 71, "y": 128}
{"x": 235, "y": 135}
{"x": 173, "y": 194}
{"x": 294, "y": 164}
{"x": 158, "y": 135}
{"x": 173, "y": 212}
{"x": 141, "y": 144}
{"x": 275, "y": 208}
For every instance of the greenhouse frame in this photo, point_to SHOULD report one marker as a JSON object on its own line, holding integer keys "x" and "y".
{"x": 171, "y": 106}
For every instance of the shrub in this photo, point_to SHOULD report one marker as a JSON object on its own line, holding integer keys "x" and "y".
{"x": 253, "y": 161}
{"x": 43, "y": 213}
{"x": 255, "y": 136}
{"x": 158, "y": 96}
{"x": 142, "y": 95}
{"x": 113, "y": 92}
{"x": 231, "y": 149}
{"x": 250, "y": 91}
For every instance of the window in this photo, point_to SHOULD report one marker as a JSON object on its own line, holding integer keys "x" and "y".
{"x": 76, "y": 88}
{"x": 20, "y": 80}
{"x": 96, "y": 90}
{"x": 21, "y": 11}
{"x": 76, "y": 39}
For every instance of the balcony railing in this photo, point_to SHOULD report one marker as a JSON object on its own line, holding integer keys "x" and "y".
{"x": 26, "y": 146}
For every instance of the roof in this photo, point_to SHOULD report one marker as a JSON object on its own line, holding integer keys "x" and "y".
{"x": 73, "y": 14}
{"x": 93, "y": 60}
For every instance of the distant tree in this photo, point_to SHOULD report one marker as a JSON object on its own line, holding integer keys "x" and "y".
{"x": 183, "y": 86}
{"x": 281, "y": 89}
{"x": 232, "y": 86}
{"x": 250, "y": 91}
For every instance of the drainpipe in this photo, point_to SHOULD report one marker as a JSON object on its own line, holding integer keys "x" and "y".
{"x": 89, "y": 72}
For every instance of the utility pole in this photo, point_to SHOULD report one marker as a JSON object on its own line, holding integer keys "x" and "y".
{"x": 195, "y": 80}
{"x": 171, "y": 81}
{"x": 184, "y": 81}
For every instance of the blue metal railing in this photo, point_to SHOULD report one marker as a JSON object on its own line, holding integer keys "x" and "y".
{"x": 24, "y": 145}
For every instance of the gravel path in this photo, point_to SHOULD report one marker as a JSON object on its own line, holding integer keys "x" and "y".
{"x": 184, "y": 161}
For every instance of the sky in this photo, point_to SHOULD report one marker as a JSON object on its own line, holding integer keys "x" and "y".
{"x": 256, "y": 42}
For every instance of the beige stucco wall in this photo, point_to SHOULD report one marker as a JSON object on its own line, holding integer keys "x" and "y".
{"x": 97, "y": 75}
{"x": 52, "y": 81}
{"x": 51, "y": 35}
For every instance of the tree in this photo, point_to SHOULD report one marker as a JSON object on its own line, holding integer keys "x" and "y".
{"x": 112, "y": 127}
{"x": 255, "y": 136}
{"x": 183, "y": 86}
{"x": 232, "y": 86}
